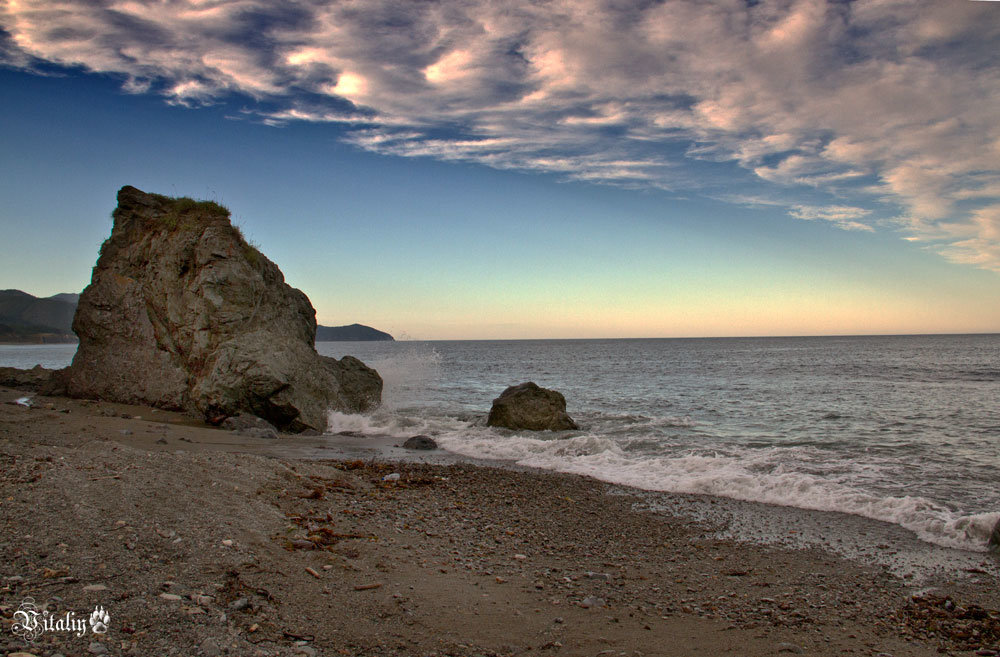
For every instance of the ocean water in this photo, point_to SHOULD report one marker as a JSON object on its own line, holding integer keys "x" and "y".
{"x": 904, "y": 430}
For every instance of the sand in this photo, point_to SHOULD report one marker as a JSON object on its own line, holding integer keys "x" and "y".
{"x": 199, "y": 542}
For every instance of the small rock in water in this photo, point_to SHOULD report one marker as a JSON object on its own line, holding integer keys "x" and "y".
{"x": 258, "y": 432}
{"x": 420, "y": 442}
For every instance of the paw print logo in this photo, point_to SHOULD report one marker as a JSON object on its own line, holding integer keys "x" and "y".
{"x": 99, "y": 620}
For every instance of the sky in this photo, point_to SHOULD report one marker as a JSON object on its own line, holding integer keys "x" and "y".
{"x": 474, "y": 169}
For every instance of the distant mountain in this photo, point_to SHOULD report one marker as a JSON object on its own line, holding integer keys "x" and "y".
{"x": 352, "y": 333}
{"x": 26, "y": 318}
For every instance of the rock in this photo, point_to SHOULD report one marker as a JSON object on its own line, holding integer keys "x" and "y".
{"x": 210, "y": 648}
{"x": 183, "y": 314}
{"x": 34, "y": 379}
{"x": 243, "y": 422}
{"x": 239, "y": 604}
{"x": 420, "y": 442}
{"x": 97, "y": 648}
{"x": 173, "y": 597}
{"x": 529, "y": 406}
{"x": 592, "y": 602}
{"x": 258, "y": 432}
{"x": 994, "y": 542}
{"x": 789, "y": 647}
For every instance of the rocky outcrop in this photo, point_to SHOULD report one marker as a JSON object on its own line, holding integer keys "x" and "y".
{"x": 183, "y": 313}
{"x": 529, "y": 406}
{"x": 37, "y": 378}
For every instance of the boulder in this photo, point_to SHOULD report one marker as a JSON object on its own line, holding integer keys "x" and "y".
{"x": 182, "y": 313}
{"x": 529, "y": 406}
{"x": 420, "y": 442}
{"x": 994, "y": 542}
{"x": 244, "y": 424}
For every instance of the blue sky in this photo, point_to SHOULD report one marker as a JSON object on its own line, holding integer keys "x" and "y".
{"x": 553, "y": 169}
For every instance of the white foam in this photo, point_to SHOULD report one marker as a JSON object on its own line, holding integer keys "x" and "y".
{"x": 771, "y": 476}
{"x": 384, "y": 422}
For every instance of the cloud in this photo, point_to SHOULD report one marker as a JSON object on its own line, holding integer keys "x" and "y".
{"x": 842, "y": 215}
{"x": 887, "y": 107}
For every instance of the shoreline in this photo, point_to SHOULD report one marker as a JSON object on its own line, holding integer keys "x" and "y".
{"x": 444, "y": 545}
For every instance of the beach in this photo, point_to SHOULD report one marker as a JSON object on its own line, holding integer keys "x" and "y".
{"x": 196, "y": 541}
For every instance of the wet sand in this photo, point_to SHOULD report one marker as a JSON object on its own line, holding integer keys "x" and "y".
{"x": 200, "y": 542}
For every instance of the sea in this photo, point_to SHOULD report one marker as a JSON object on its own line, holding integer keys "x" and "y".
{"x": 899, "y": 429}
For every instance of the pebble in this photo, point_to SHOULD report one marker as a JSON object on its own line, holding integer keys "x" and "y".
{"x": 228, "y": 542}
{"x": 239, "y": 604}
{"x": 520, "y": 557}
{"x": 161, "y": 441}
{"x": 95, "y": 587}
{"x": 789, "y": 647}
{"x": 96, "y": 648}
{"x": 591, "y": 601}
{"x": 306, "y": 650}
{"x": 210, "y": 648}
{"x": 170, "y": 596}
{"x": 391, "y": 477}
{"x": 125, "y": 432}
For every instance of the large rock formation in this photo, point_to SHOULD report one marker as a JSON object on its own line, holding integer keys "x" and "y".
{"x": 529, "y": 406}
{"x": 183, "y": 313}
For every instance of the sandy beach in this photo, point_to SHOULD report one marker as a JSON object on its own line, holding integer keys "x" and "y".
{"x": 196, "y": 541}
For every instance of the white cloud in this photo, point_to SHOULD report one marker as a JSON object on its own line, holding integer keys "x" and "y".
{"x": 844, "y": 216}
{"x": 877, "y": 102}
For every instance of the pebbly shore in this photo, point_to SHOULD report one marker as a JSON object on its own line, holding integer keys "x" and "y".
{"x": 195, "y": 541}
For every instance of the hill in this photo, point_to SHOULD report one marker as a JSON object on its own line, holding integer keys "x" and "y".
{"x": 351, "y": 333}
{"x": 27, "y": 318}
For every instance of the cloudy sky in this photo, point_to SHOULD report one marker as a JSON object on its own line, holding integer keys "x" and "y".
{"x": 531, "y": 168}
